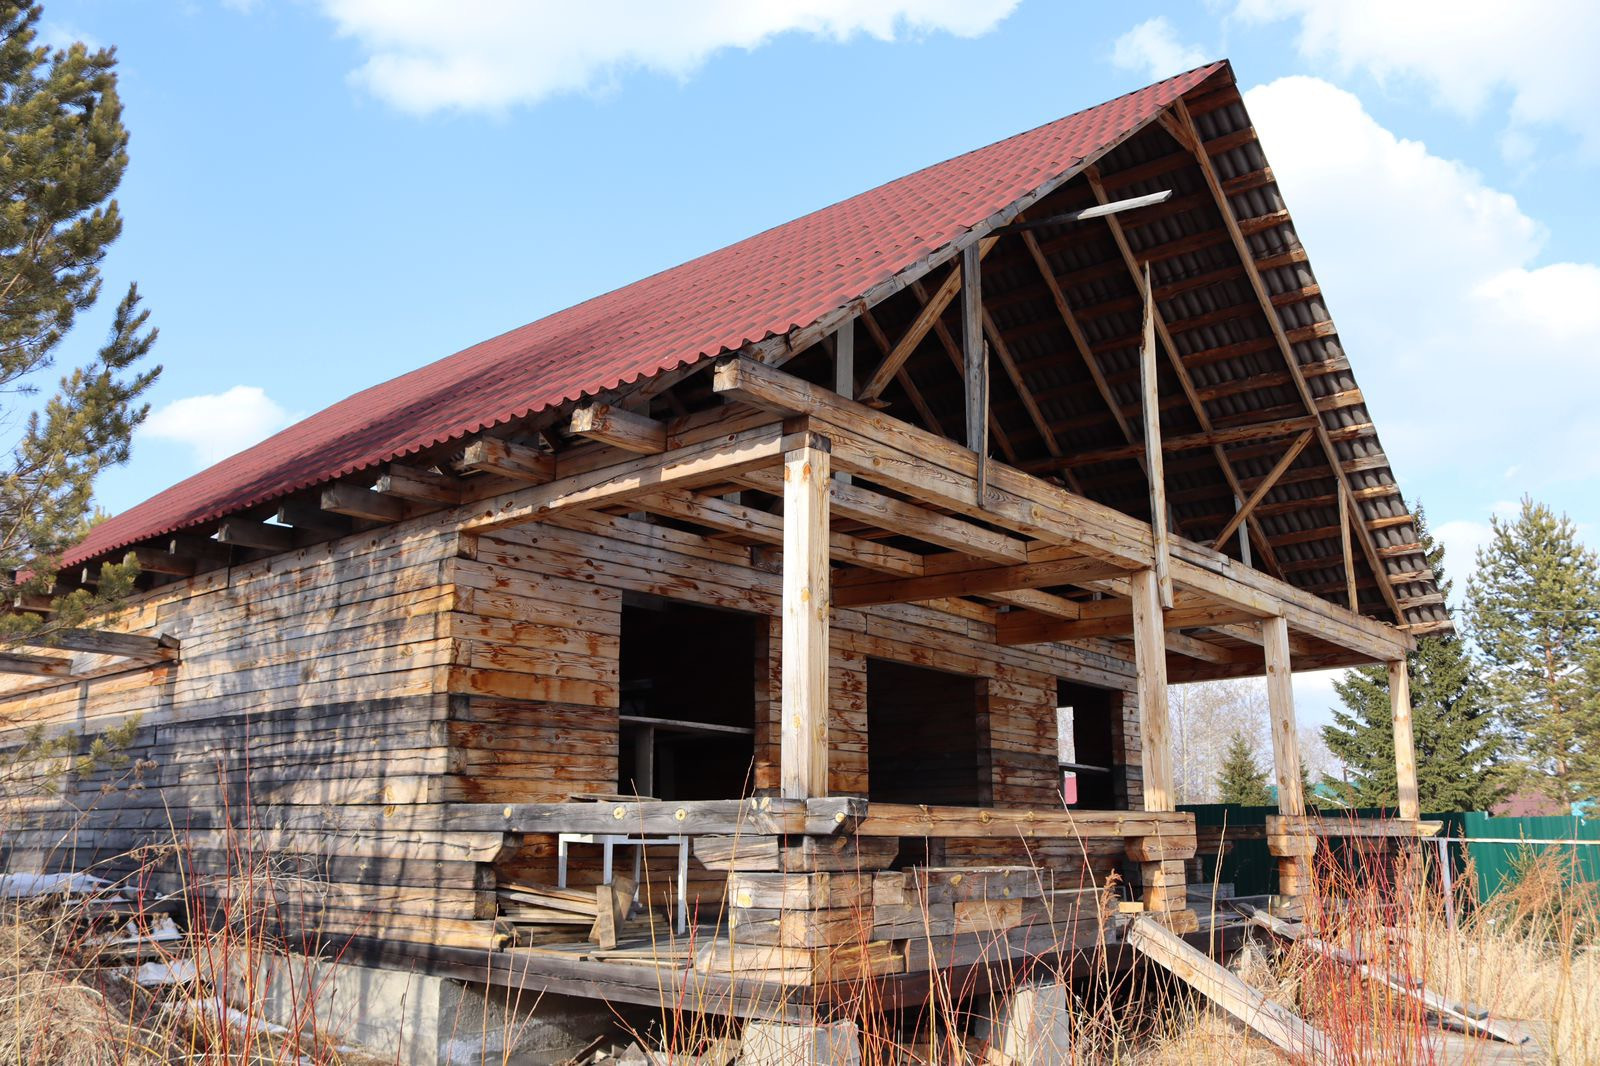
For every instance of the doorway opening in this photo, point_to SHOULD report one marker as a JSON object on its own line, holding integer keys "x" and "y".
{"x": 688, "y": 700}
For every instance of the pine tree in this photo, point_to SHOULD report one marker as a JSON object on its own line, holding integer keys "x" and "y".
{"x": 63, "y": 150}
{"x": 1452, "y": 722}
{"x": 1535, "y": 610}
{"x": 1240, "y": 779}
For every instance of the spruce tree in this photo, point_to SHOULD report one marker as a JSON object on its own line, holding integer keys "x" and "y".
{"x": 1240, "y": 780}
{"x": 1452, "y": 723}
{"x": 63, "y": 150}
{"x": 1535, "y": 611}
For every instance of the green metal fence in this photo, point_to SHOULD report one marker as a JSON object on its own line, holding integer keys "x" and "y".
{"x": 1499, "y": 847}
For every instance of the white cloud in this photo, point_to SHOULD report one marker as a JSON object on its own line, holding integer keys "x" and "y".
{"x": 1538, "y": 57}
{"x": 1153, "y": 48}
{"x": 423, "y": 56}
{"x": 1454, "y": 329}
{"x": 216, "y": 426}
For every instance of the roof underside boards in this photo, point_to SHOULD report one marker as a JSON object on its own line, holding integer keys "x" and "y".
{"x": 1230, "y": 371}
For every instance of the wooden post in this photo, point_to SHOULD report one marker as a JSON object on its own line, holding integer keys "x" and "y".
{"x": 975, "y": 359}
{"x": 1150, "y": 656}
{"x": 1280, "y": 702}
{"x": 1150, "y": 401}
{"x": 1293, "y": 853}
{"x": 844, "y": 370}
{"x": 1405, "y": 751}
{"x": 803, "y": 749}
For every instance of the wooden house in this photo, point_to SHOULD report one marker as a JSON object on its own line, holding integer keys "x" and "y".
{"x": 806, "y": 540}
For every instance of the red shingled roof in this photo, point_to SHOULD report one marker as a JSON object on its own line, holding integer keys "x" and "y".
{"x": 787, "y": 277}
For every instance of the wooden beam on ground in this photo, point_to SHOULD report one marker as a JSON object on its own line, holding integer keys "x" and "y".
{"x": 914, "y": 334}
{"x": 1285, "y": 1029}
{"x": 100, "y": 642}
{"x": 357, "y": 502}
{"x": 768, "y": 529}
{"x": 1252, "y": 272}
{"x": 248, "y": 534}
{"x": 1263, "y": 488}
{"x": 1150, "y": 403}
{"x": 612, "y": 425}
{"x": 718, "y": 459}
{"x": 491, "y": 455}
{"x": 1150, "y": 655}
{"x": 419, "y": 485}
{"x": 803, "y": 744}
{"x": 17, "y": 662}
{"x": 973, "y": 580}
{"x": 1280, "y": 707}
{"x": 1405, "y": 748}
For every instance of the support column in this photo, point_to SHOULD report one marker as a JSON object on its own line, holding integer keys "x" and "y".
{"x": 1294, "y": 850}
{"x": 1405, "y": 749}
{"x": 803, "y": 747}
{"x": 1161, "y": 870}
{"x": 1150, "y": 657}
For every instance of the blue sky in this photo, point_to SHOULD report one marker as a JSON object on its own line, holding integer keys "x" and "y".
{"x": 326, "y": 193}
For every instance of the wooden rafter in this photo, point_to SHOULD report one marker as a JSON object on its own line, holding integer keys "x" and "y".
{"x": 1201, "y": 152}
{"x": 1185, "y": 379}
{"x": 897, "y": 354}
{"x": 929, "y": 419}
{"x": 1262, "y": 488}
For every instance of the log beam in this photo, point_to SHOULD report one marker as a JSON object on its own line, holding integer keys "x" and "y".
{"x": 1280, "y": 701}
{"x": 914, "y": 334}
{"x": 612, "y": 425}
{"x": 491, "y": 455}
{"x": 1150, "y": 655}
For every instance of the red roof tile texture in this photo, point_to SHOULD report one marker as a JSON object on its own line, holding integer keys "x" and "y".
{"x": 766, "y": 285}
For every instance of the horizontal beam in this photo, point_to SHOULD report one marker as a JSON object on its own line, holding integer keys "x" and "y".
{"x": 887, "y": 451}
{"x": 247, "y": 534}
{"x": 718, "y": 459}
{"x": 922, "y": 820}
{"x": 17, "y": 662}
{"x": 419, "y": 486}
{"x": 619, "y": 428}
{"x": 768, "y": 529}
{"x": 1025, "y": 630}
{"x": 491, "y": 455}
{"x": 970, "y": 581}
{"x": 100, "y": 642}
{"x": 757, "y": 816}
{"x": 1183, "y": 442}
{"x": 353, "y": 501}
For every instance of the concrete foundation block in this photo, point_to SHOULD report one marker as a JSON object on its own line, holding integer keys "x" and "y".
{"x": 1029, "y": 1026}
{"x": 785, "y": 1044}
{"x": 414, "y": 1019}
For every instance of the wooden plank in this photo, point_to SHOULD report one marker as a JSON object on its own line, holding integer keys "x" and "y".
{"x": 1264, "y": 487}
{"x": 1405, "y": 749}
{"x": 100, "y": 642}
{"x": 1150, "y": 654}
{"x": 35, "y": 665}
{"x": 1227, "y": 990}
{"x": 491, "y": 455}
{"x": 1346, "y": 554}
{"x": 716, "y": 459}
{"x": 982, "y": 823}
{"x": 975, "y": 361}
{"x": 914, "y": 334}
{"x": 357, "y": 502}
{"x": 1280, "y": 703}
{"x": 803, "y": 758}
{"x": 619, "y": 428}
{"x": 1150, "y": 404}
